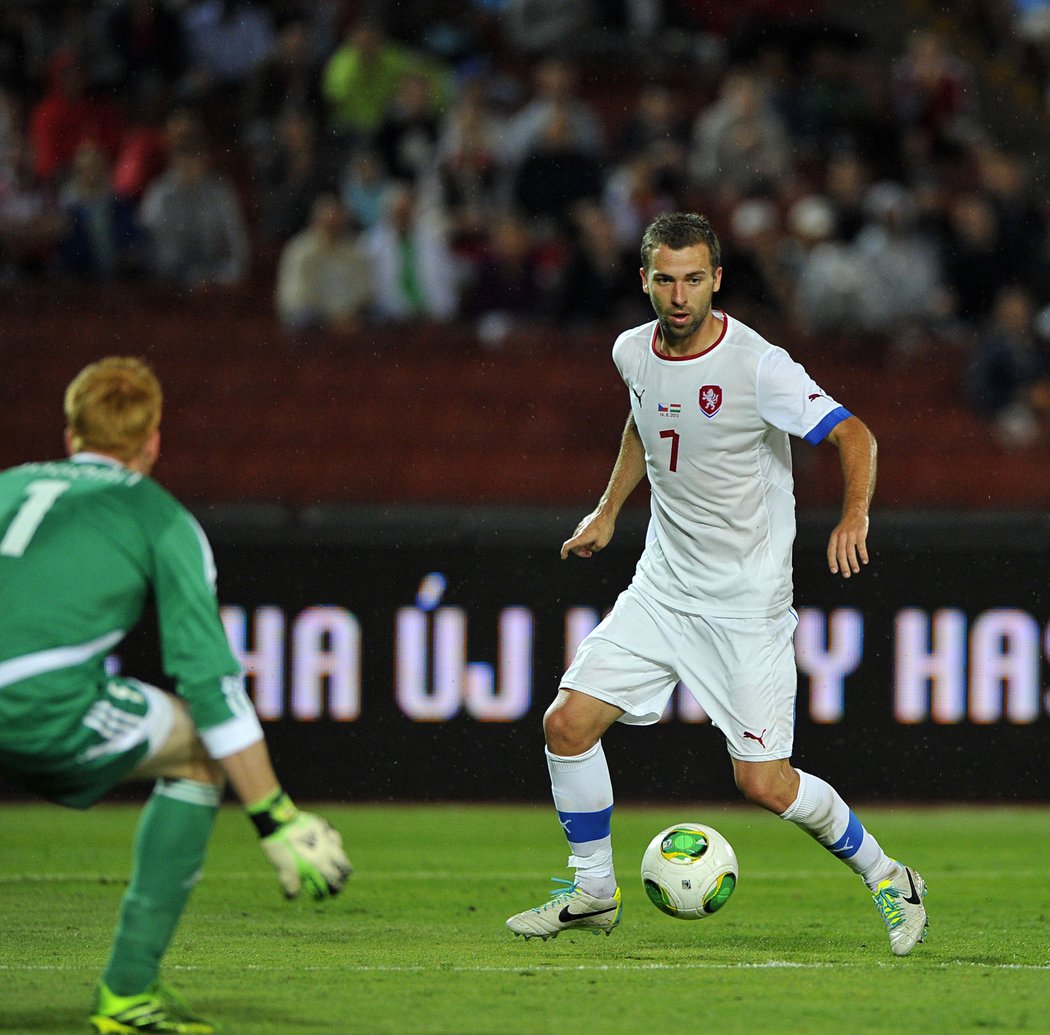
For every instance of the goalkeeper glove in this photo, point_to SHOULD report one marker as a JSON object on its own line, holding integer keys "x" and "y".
{"x": 303, "y": 848}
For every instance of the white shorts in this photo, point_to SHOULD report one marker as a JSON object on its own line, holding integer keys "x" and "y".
{"x": 741, "y": 671}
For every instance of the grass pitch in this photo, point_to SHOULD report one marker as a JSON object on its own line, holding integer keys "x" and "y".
{"x": 416, "y": 944}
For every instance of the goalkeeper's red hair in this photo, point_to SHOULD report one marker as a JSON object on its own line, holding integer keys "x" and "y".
{"x": 113, "y": 407}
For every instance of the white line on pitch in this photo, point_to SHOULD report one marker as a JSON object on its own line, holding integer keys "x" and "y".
{"x": 543, "y": 968}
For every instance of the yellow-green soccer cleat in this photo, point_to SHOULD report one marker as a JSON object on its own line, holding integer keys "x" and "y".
{"x": 157, "y": 1010}
{"x": 900, "y": 903}
{"x": 568, "y": 909}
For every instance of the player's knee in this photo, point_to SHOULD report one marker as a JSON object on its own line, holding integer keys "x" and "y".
{"x": 764, "y": 789}
{"x": 203, "y": 770}
{"x": 557, "y": 730}
{"x": 564, "y": 734}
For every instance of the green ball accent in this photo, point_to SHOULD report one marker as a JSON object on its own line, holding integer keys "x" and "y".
{"x": 659, "y": 898}
{"x": 684, "y": 844}
{"x": 715, "y": 900}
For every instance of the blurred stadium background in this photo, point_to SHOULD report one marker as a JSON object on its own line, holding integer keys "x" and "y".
{"x": 390, "y": 406}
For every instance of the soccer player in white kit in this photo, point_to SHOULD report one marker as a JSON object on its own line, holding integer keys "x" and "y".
{"x": 712, "y": 406}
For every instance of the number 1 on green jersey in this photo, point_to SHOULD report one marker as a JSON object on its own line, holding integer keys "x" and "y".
{"x": 40, "y": 498}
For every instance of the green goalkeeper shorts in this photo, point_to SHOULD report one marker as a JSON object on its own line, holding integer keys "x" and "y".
{"x": 75, "y": 756}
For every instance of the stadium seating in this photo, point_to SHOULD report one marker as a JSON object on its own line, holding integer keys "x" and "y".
{"x": 429, "y": 415}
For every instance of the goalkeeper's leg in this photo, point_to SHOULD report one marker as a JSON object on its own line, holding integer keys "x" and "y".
{"x": 169, "y": 852}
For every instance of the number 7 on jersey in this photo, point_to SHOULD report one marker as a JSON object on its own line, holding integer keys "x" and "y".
{"x": 674, "y": 437}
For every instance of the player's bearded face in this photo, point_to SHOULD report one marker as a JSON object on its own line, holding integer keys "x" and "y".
{"x": 681, "y": 285}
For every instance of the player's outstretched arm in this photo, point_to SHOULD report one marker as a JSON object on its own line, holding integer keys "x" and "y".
{"x": 848, "y": 544}
{"x": 596, "y": 529}
{"x": 304, "y": 849}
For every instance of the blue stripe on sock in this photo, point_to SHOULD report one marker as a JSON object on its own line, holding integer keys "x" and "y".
{"x": 586, "y": 826}
{"x": 847, "y": 845}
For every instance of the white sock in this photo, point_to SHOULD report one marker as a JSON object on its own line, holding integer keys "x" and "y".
{"x": 820, "y": 811}
{"x": 583, "y": 796}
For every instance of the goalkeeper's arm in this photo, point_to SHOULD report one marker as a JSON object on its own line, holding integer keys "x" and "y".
{"x": 303, "y": 848}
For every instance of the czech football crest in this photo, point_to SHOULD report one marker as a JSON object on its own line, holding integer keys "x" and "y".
{"x": 710, "y": 399}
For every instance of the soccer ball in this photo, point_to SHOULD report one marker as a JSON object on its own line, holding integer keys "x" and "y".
{"x": 689, "y": 871}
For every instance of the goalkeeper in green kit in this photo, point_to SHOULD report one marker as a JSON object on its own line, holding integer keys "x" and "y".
{"x": 83, "y": 543}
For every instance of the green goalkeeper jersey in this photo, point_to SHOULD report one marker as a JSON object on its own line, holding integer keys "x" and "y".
{"x": 83, "y": 542}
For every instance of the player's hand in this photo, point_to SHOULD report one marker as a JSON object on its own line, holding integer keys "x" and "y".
{"x": 592, "y": 534}
{"x": 303, "y": 848}
{"x": 848, "y": 545}
{"x": 308, "y": 853}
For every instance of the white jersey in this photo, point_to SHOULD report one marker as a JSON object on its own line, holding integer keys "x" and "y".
{"x": 715, "y": 430}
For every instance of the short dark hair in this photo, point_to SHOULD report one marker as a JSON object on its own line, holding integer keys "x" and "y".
{"x": 680, "y": 230}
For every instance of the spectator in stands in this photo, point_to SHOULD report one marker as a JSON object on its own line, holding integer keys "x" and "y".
{"x": 292, "y": 174}
{"x": 363, "y": 187}
{"x": 556, "y": 175}
{"x": 555, "y": 95}
{"x": 933, "y": 88}
{"x": 1023, "y": 227}
{"x": 361, "y": 78}
{"x": 287, "y": 82}
{"x": 538, "y": 27}
{"x": 659, "y": 129}
{"x": 461, "y": 36}
{"x": 760, "y": 284}
{"x": 1032, "y": 19}
{"x": 146, "y": 147}
{"x": 597, "y": 283}
{"x": 406, "y": 139}
{"x": 413, "y": 266}
{"x": 324, "y": 278}
{"x": 1008, "y": 378}
{"x": 916, "y": 159}
{"x": 847, "y": 178}
{"x": 74, "y": 26}
{"x": 827, "y": 105}
{"x": 31, "y": 224}
{"x": 147, "y": 39}
{"x": 1030, "y": 27}
{"x": 468, "y": 158}
{"x": 828, "y": 292}
{"x": 656, "y": 119}
{"x": 903, "y": 287}
{"x": 976, "y": 265}
{"x": 227, "y": 41}
{"x": 634, "y": 194}
{"x": 17, "y": 73}
{"x": 68, "y": 116}
{"x": 740, "y": 143}
{"x": 102, "y": 238}
{"x": 194, "y": 219}
{"x": 10, "y": 122}
{"x": 508, "y": 291}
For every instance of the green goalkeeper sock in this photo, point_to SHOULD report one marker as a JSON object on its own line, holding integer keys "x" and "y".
{"x": 169, "y": 852}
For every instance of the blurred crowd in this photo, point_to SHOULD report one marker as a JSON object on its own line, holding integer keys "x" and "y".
{"x": 1012, "y": 36}
{"x": 495, "y": 162}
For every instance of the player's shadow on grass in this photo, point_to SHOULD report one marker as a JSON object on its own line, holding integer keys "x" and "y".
{"x": 56, "y": 1022}
{"x": 312, "y": 1020}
